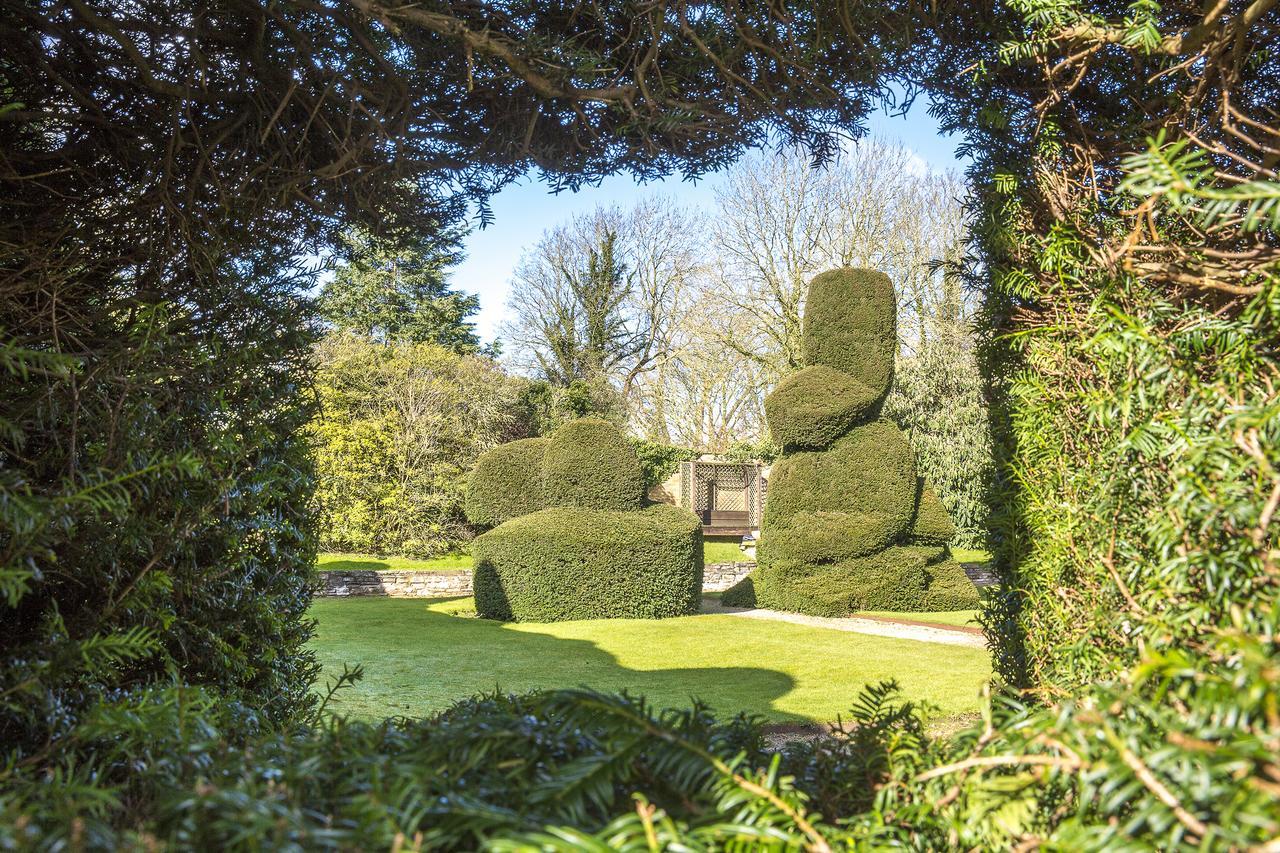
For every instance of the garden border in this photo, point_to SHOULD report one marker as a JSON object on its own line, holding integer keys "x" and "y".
{"x": 423, "y": 583}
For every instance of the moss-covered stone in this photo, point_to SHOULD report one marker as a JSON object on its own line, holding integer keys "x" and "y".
{"x": 850, "y": 324}
{"x": 589, "y": 463}
{"x": 568, "y": 563}
{"x": 813, "y": 407}
{"x": 506, "y": 482}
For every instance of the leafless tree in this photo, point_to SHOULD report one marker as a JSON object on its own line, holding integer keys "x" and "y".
{"x": 599, "y": 297}
{"x": 781, "y": 219}
{"x": 702, "y": 394}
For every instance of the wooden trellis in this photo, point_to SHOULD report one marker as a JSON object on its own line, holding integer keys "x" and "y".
{"x": 727, "y": 496}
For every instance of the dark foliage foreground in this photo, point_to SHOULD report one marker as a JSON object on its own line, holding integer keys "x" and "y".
{"x": 166, "y": 165}
{"x": 1133, "y": 766}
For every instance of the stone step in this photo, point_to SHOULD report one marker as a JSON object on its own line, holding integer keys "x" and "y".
{"x": 981, "y": 574}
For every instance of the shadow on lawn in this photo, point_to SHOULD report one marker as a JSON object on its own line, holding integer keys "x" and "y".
{"x": 419, "y": 661}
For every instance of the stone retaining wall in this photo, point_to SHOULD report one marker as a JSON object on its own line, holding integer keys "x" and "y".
{"x": 397, "y": 584}
{"x": 420, "y": 584}
{"x": 717, "y": 577}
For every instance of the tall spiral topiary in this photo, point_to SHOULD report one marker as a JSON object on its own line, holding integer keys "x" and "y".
{"x": 848, "y": 523}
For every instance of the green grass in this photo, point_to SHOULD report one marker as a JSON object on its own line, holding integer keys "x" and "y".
{"x": 970, "y": 555}
{"x": 418, "y": 659}
{"x": 723, "y": 551}
{"x": 952, "y": 617}
{"x": 349, "y": 562}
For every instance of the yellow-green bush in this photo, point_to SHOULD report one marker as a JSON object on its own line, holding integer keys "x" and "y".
{"x": 573, "y": 563}
{"x": 589, "y": 463}
{"x": 506, "y": 482}
{"x": 392, "y": 478}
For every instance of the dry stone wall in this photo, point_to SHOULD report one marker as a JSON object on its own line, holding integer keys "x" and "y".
{"x": 717, "y": 577}
{"x": 423, "y": 584}
{"x": 397, "y": 584}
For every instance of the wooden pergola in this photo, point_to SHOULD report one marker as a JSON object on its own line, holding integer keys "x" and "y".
{"x": 727, "y": 496}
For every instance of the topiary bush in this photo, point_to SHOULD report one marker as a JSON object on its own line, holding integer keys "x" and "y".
{"x": 872, "y": 470}
{"x": 589, "y": 463}
{"x": 902, "y": 578}
{"x": 573, "y": 563}
{"x": 850, "y": 324}
{"x": 932, "y": 524}
{"x": 817, "y": 405}
{"x": 848, "y": 523}
{"x": 506, "y": 482}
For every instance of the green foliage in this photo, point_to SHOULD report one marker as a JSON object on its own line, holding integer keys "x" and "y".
{"x": 1180, "y": 175}
{"x": 154, "y": 486}
{"x": 938, "y": 400}
{"x": 572, "y": 769}
{"x": 159, "y": 442}
{"x": 827, "y": 506}
{"x": 506, "y": 482}
{"x": 591, "y": 332}
{"x": 577, "y": 563}
{"x": 765, "y": 450}
{"x": 659, "y": 461}
{"x": 398, "y": 428}
{"x": 398, "y": 292}
{"x": 589, "y": 463}
{"x": 1177, "y": 413}
{"x": 850, "y": 324}
{"x": 898, "y": 578}
{"x": 816, "y": 405}
{"x": 550, "y": 407}
{"x": 498, "y": 771}
{"x": 932, "y": 523}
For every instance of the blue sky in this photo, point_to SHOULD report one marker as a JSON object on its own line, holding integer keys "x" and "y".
{"x": 523, "y": 211}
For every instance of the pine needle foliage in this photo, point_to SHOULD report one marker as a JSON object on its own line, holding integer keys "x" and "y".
{"x": 164, "y": 162}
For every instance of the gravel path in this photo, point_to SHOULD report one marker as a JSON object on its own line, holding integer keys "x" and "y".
{"x": 876, "y": 627}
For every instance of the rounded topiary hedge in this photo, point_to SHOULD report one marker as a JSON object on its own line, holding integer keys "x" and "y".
{"x": 814, "y": 406}
{"x": 571, "y": 563}
{"x": 901, "y": 578}
{"x": 868, "y": 477}
{"x": 506, "y": 482}
{"x": 850, "y": 324}
{"x": 848, "y": 525}
{"x": 589, "y": 463}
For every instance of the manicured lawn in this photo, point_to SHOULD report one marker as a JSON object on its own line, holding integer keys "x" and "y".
{"x": 953, "y": 617}
{"x": 419, "y": 658}
{"x": 339, "y": 562}
{"x": 723, "y": 551}
{"x": 969, "y": 555}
